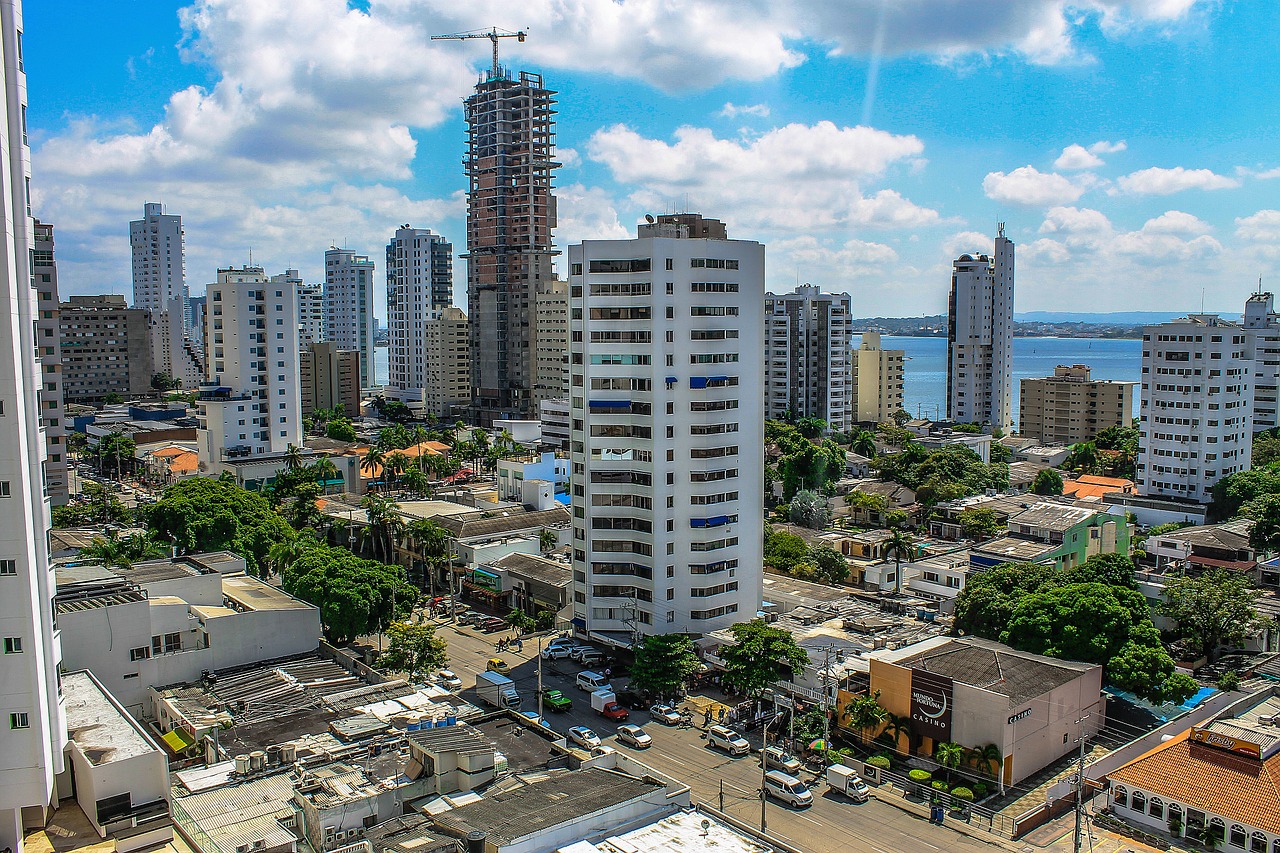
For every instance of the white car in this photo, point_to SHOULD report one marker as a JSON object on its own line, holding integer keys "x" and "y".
{"x": 584, "y": 737}
{"x": 730, "y": 741}
{"x": 555, "y": 652}
{"x": 634, "y": 736}
{"x": 448, "y": 680}
{"x": 665, "y": 714}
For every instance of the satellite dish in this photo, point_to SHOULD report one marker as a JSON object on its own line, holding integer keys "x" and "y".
{"x": 706, "y": 824}
{"x": 648, "y": 217}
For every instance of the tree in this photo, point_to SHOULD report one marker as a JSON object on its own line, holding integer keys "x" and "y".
{"x": 112, "y": 399}
{"x": 385, "y": 523}
{"x": 1148, "y": 671}
{"x": 864, "y": 444}
{"x": 293, "y": 457}
{"x": 900, "y": 545}
{"x": 950, "y": 755}
{"x": 1109, "y": 569}
{"x": 124, "y": 551}
{"x": 372, "y": 463}
{"x": 865, "y": 712}
{"x": 987, "y": 758}
{"x": 520, "y": 620}
{"x": 355, "y": 596}
{"x": 1266, "y": 449}
{"x": 1232, "y": 492}
{"x": 1214, "y": 609}
{"x": 809, "y": 510}
{"x": 547, "y": 540}
{"x": 664, "y": 662}
{"x": 979, "y": 523}
{"x": 99, "y": 507}
{"x": 830, "y": 564}
{"x": 115, "y": 453}
{"x": 1083, "y": 458}
{"x": 811, "y": 428}
{"x": 340, "y": 429}
{"x": 1264, "y": 536}
{"x": 760, "y": 656}
{"x": 414, "y": 649}
{"x": 1047, "y": 482}
{"x": 783, "y": 550}
{"x": 1085, "y": 622}
{"x": 162, "y": 381}
{"x": 900, "y": 417}
{"x": 432, "y": 544}
{"x": 1000, "y": 453}
{"x": 202, "y": 514}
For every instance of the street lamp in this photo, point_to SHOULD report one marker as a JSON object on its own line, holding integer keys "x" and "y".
{"x": 764, "y": 744}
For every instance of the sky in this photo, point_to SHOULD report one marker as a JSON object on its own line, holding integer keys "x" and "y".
{"x": 1130, "y": 146}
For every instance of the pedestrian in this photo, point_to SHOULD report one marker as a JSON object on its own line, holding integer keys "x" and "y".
{"x": 706, "y": 717}
{"x": 608, "y": 672}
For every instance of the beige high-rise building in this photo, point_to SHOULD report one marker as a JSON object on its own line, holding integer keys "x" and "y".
{"x": 551, "y": 337}
{"x": 877, "y": 380}
{"x": 1070, "y": 407}
{"x": 448, "y": 355}
{"x": 329, "y": 377}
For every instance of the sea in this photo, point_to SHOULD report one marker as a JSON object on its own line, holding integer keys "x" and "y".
{"x": 925, "y": 384}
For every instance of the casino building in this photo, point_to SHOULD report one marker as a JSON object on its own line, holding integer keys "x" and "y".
{"x": 1222, "y": 778}
{"x": 978, "y": 693}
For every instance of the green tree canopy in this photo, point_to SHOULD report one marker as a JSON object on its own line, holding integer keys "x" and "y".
{"x": 414, "y": 649}
{"x": 1213, "y": 609}
{"x": 355, "y": 596}
{"x": 340, "y": 429}
{"x": 99, "y": 507}
{"x": 830, "y": 564}
{"x": 1082, "y": 621}
{"x": 945, "y": 474}
{"x": 811, "y": 427}
{"x": 1047, "y": 482}
{"x": 782, "y": 550}
{"x": 865, "y": 712}
{"x": 809, "y": 510}
{"x": 979, "y": 523}
{"x": 1264, "y": 535}
{"x": 663, "y": 663}
{"x": 1232, "y": 492}
{"x": 761, "y": 655}
{"x": 202, "y": 514}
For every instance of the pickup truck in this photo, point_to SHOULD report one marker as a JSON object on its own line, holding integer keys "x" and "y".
{"x": 556, "y": 701}
{"x": 604, "y": 703}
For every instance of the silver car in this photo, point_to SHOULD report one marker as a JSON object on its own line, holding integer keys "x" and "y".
{"x": 634, "y": 736}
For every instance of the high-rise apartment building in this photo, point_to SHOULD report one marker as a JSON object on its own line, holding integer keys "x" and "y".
{"x": 348, "y": 306}
{"x": 667, "y": 432}
{"x": 48, "y": 339}
{"x": 1263, "y": 323}
{"x": 877, "y": 380}
{"x": 1196, "y": 422}
{"x": 980, "y": 337}
{"x": 808, "y": 372}
{"x": 446, "y": 346}
{"x": 1070, "y": 406}
{"x": 197, "y": 305}
{"x": 310, "y": 311}
{"x": 510, "y": 216}
{"x": 329, "y": 377}
{"x": 551, "y": 340}
{"x": 160, "y": 287}
{"x": 250, "y": 405}
{"x": 33, "y": 724}
{"x": 419, "y": 288}
{"x": 106, "y": 349}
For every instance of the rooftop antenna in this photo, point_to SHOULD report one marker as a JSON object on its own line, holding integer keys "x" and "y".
{"x": 492, "y": 34}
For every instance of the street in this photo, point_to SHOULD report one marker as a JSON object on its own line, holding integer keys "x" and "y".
{"x": 833, "y": 823}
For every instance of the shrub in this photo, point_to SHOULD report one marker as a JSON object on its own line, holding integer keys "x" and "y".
{"x": 938, "y": 785}
{"x": 920, "y": 776}
{"x": 962, "y": 793}
{"x": 879, "y": 761}
{"x": 979, "y": 790}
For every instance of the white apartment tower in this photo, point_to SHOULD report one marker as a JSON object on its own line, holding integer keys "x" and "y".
{"x": 251, "y": 402}
{"x": 1196, "y": 423}
{"x": 159, "y": 261}
{"x": 551, "y": 340}
{"x": 348, "y": 306}
{"x": 1263, "y": 323}
{"x": 666, "y": 439}
{"x": 808, "y": 371}
{"x": 310, "y": 307}
{"x": 980, "y": 337}
{"x": 419, "y": 288}
{"x": 44, "y": 278}
{"x": 33, "y": 726}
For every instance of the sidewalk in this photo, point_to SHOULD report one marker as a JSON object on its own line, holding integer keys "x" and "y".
{"x": 921, "y": 810}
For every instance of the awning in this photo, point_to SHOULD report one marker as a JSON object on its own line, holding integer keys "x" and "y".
{"x": 178, "y": 741}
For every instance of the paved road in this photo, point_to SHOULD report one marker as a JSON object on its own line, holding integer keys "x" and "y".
{"x": 832, "y": 824}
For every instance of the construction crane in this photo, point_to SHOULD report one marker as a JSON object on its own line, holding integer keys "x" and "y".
{"x": 492, "y": 35}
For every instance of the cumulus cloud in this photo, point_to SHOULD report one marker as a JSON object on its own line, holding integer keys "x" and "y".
{"x": 1160, "y": 181}
{"x": 588, "y": 213}
{"x": 791, "y": 178}
{"x": 1104, "y": 146}
{"x": 1263, "y": 226}
{"x": 1031, "y": 187}
{"x": 732, "y": 110}
{"x": 967, "y": 241}
{"x": 852, "y": 258}
{"x": 1077, "y": 157}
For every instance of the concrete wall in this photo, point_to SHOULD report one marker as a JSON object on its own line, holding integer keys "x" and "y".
{"x": 245, "y": 638}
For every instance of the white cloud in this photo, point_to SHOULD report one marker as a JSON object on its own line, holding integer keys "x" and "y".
{"x": 1046, "y": 250}
{"x": 967, "y": 241}
{"x": 732, "y": 110}
{"x": 1268, "y": 174}
{"x": 1177, "y": 222}
{"x": 1031, "y": 187}
{"x": 1159, "y": 181}
{"x": 1105, "y": 147}
{"x": 853, "y": 258}
{"x": 1165, "y": 240}
{"x": 796, "y": 177}
{"x": 1260, "y": 227}
{"x": 1075, "y": 156}
{"x": 588, "y": 213}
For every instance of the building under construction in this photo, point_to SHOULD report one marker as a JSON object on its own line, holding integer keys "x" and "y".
{"x": 510, "y": 215}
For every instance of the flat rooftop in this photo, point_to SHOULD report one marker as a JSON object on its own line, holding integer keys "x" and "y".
{"x": 1013, "y": 549}
{"x": 99, "y": 727}
{"x": 248, "y": 593}
{"x": 680, "y": 831}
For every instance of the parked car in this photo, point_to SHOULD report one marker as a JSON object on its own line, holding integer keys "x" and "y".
{"x": 631, "y": 699}
{"x": 634, "y": 736}
{"x": 591, "y": 658}
{"x": 469, "y": 617}
{"x": 777, "y": 758}
{"x": 584, "y": 737}
{"x": 555, "y": 653}
{"x": 665, "y": 714}
{"x": 576, "y": 652}
{"x": 592, "y": 681}
{"x": 554, "y": 700}
{"x": 727, "y": 739}
{"x": 489, "y": 624}
{"x": 448, "y": 680}
{"x": 788, "y": 789}
{"x": 498, "y": 665}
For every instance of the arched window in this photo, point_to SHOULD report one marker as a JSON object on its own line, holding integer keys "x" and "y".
{"x": 1258, "y": 843}
{"x": 1139, "y": 801}
{"x": 1156, "y": 808}
{"x": 1218, "y": 828}
{"x": 1120, "y": 796}
{"x": 1275, "y": 846}
{"x": 1238, "y": 836}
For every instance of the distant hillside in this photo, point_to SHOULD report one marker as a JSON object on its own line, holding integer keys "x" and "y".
{"x": 1115, "y": 318}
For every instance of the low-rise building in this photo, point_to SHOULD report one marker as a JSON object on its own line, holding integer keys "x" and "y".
{"x": 531, "y": 583}
{"x": 979, "y": 443}
{"x": 1057, "y": 533}
{"x": 513, "y": 472}
{"x": 1092, "y": 487}
{"x": 1208, "y": 546}
{"x": 940, "y": 577}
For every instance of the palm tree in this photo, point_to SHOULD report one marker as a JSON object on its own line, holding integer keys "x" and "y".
{"x": 865, "y": 712}
{"x": 900, "y": 545}
{"x": 325, "y": 471}
{"x": 293, "y": 457}
{"x": 896, "y": 725}
{"x": 385, "y": 523}
{"x": 394, "y": 466}
{"x": 864, "y": 444}
{"x": 432, "y": 543}
{"x": 950, "y": 755}
{"x": 123, "y": 552}
{"x": 458, "y": 428}
{"x": 1083, "y": 458}
{"x": 372, "y": 462}
{"x": 286, "y": 552}
{"x": 987, "y": 759}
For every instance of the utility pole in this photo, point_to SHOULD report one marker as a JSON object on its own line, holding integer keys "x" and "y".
{"x": 1078, "y": 844}
{"x": 721, "y": 796}
{"x": 764, "y": 826}
{"x": 539, "y": 678}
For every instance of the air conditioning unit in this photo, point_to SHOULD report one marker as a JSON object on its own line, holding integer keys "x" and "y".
{"x": 242, "y": 848}
{"x": 259, "y": 844}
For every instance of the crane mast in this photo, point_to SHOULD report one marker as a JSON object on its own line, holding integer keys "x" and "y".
{"x": 492, "y": 34}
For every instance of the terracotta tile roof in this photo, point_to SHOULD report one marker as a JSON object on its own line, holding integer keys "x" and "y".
{"x": 1233, "y": 786}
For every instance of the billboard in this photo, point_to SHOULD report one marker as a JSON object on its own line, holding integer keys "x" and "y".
{"x": 931, "y": 701}
{"x": 1227, "y": 742}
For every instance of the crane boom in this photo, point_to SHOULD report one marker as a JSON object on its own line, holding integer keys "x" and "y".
{"x": 492, "y": 34}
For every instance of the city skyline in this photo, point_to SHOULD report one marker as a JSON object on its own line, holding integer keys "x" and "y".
{"x": 1123, "y": 141}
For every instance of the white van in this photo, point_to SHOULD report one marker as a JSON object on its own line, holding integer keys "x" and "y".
{"x": 727, "y": 739}
{"x": 788, "y": 789}
{"x": 593, "y": 681}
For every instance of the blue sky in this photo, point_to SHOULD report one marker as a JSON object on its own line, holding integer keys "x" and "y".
{"x": 1130, "y": 145}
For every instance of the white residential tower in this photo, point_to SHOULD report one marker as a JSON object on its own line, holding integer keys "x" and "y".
{"x": 419, "y": 288}
{"x": 980, "y": 337}
{"x": 348, "y": 306}
{"x": 808, "y": 371}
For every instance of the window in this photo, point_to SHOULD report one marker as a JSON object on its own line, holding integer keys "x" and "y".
{"x": 13, "y": 645}
{"x": 5, "y": 490}
{"x": 19, "y": 720}
{"x": 8, "y": 567}
{"x": 141, "y": 653}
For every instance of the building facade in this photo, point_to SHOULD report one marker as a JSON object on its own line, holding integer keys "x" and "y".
{"x": 310, "y": 312}
{"x": 877, "y": 380}
{"x": 348, "y": 306}
{"x": 33, "y": 725}
{"x": 446, "y": 346}
{"x": 1196, "y": 421}
{"x": 1262, "y": 321}
{"x": 1070, "y": 407}
{"x": 106, "y": 349}
{"x": 250, "y": 405}
{"x": 980, "y": 337}
{"x": 551, "y": 339}
{"x": 160, "y": 287}
{"x": 419, "y": 288}
{"x": 808, "y": 371}
{"x": 329, "y": 377}
{"x": 510, "y": 216}
{"x": 44, "y": 278}
{"x": 666, "y": 437}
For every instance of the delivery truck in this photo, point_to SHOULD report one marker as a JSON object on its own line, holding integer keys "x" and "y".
{"x": 845, "y": 780}
{"x": 605, "y": 703}
{"x": 497, "y": 690}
